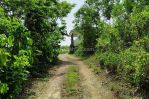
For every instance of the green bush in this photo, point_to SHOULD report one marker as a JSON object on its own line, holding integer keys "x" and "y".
{"x": 134, "y": 62}
{"x": 28, "y": 37}
{"x": 131, "y": 64}
{"x": 3, "y": 88}
{"x": 13, "y": 69}
{"x": 110, "y": 60}
{"x": 109, "y": 39}
{"x": 122, "y": 37}
{"x": 123, "y": 47}
{"x": 15, "y": 56}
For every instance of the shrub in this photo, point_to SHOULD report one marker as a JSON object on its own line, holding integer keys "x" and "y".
{"x": 134, "y": 62}
{"x": 15, "y": 56}
{"x": 13, "y": 71}
{"x": 110, "y": 60}
{"x": 3, "y": 88}
{"x": 131, "y": 64}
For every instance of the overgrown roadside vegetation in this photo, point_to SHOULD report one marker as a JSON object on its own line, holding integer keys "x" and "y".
{"x": 72, "y": 86}
{"x": 29, "y": 40}
{"x": 120, "y": 88}
{"x": 116, "y": 31}
{"x": 93, "y": 64}
{"x": 64, "y": 50}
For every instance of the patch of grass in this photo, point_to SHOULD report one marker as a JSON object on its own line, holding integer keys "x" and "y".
{"x": 64, "y": 50}
{"x": 93, "y": 64}
{"x": 95, "y": 69}
{"x": 121, "y": 89}
{"x": 72, "y": 81}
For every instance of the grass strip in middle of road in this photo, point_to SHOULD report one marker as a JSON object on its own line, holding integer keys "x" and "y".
{"x": 72, "y": 81}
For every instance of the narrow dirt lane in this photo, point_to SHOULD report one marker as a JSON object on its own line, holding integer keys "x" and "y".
{"x": 52, "y": 88}
{"x": 91, "y": 86}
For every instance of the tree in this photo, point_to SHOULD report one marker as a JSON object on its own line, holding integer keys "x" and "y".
{"x": 29, "y": 36}
{"x": 40, "y": 18}
{"x": 119, "y": 30}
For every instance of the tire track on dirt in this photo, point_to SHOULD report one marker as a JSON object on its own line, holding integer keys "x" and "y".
{"x": 52, "y": 89}
{"x": 92, "y": 87}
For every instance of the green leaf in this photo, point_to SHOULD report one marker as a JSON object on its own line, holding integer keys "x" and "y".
{"x": 29, "y": 41}
{"x": 3, "y": 39}
{"x": 3, "y": 88}
{"x": 10, "y": 40}
{"x": 3, "y": 56}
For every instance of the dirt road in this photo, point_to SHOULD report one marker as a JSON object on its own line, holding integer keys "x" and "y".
{"x": 91, "y": 86}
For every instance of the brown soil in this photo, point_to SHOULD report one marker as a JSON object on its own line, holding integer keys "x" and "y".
{"x": 92, "y": 86}
{"x": 52, "y": 88}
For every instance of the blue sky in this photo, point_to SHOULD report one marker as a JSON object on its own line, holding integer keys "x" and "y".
{"x": 70, "y": 18}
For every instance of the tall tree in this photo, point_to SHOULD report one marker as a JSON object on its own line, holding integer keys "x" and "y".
{"x": 40, "y": 18}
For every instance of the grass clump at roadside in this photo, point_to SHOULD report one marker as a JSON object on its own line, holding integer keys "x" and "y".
{"x": 120, "y": 88}
{"x": 93, "y": 64}
{"x": 72, "y": 81}
{"x": 95, "y": 68}
{"x": 64, "y": 50}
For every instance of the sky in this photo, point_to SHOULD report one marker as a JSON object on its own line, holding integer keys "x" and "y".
{"x": 70, "y": 18}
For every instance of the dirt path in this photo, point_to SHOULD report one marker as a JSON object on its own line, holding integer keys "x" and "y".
{"x": 51, "y": 89}
{"x": 92, "y": 87}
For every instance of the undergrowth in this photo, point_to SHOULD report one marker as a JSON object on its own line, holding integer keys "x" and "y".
{"x": 93, "y": 64}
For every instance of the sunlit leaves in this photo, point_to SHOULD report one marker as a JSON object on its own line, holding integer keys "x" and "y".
{"x": 3, "y": 57}
{"x": 3, "y": 40}
{"x": 118, "y": 10}
{"x": 3, "y": 88}
{"x": 13, "y": 61}
{"x": 22, "y": 59}
{"x": 10, "y": 41}
{"x": 1, "y": 12}
{"x": 29, "y": 35}
{"x": 122, "y": 42}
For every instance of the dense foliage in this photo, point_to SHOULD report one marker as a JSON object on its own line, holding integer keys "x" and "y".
{"x": 29, "y": 36}
{"x": 120, "y": 31}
